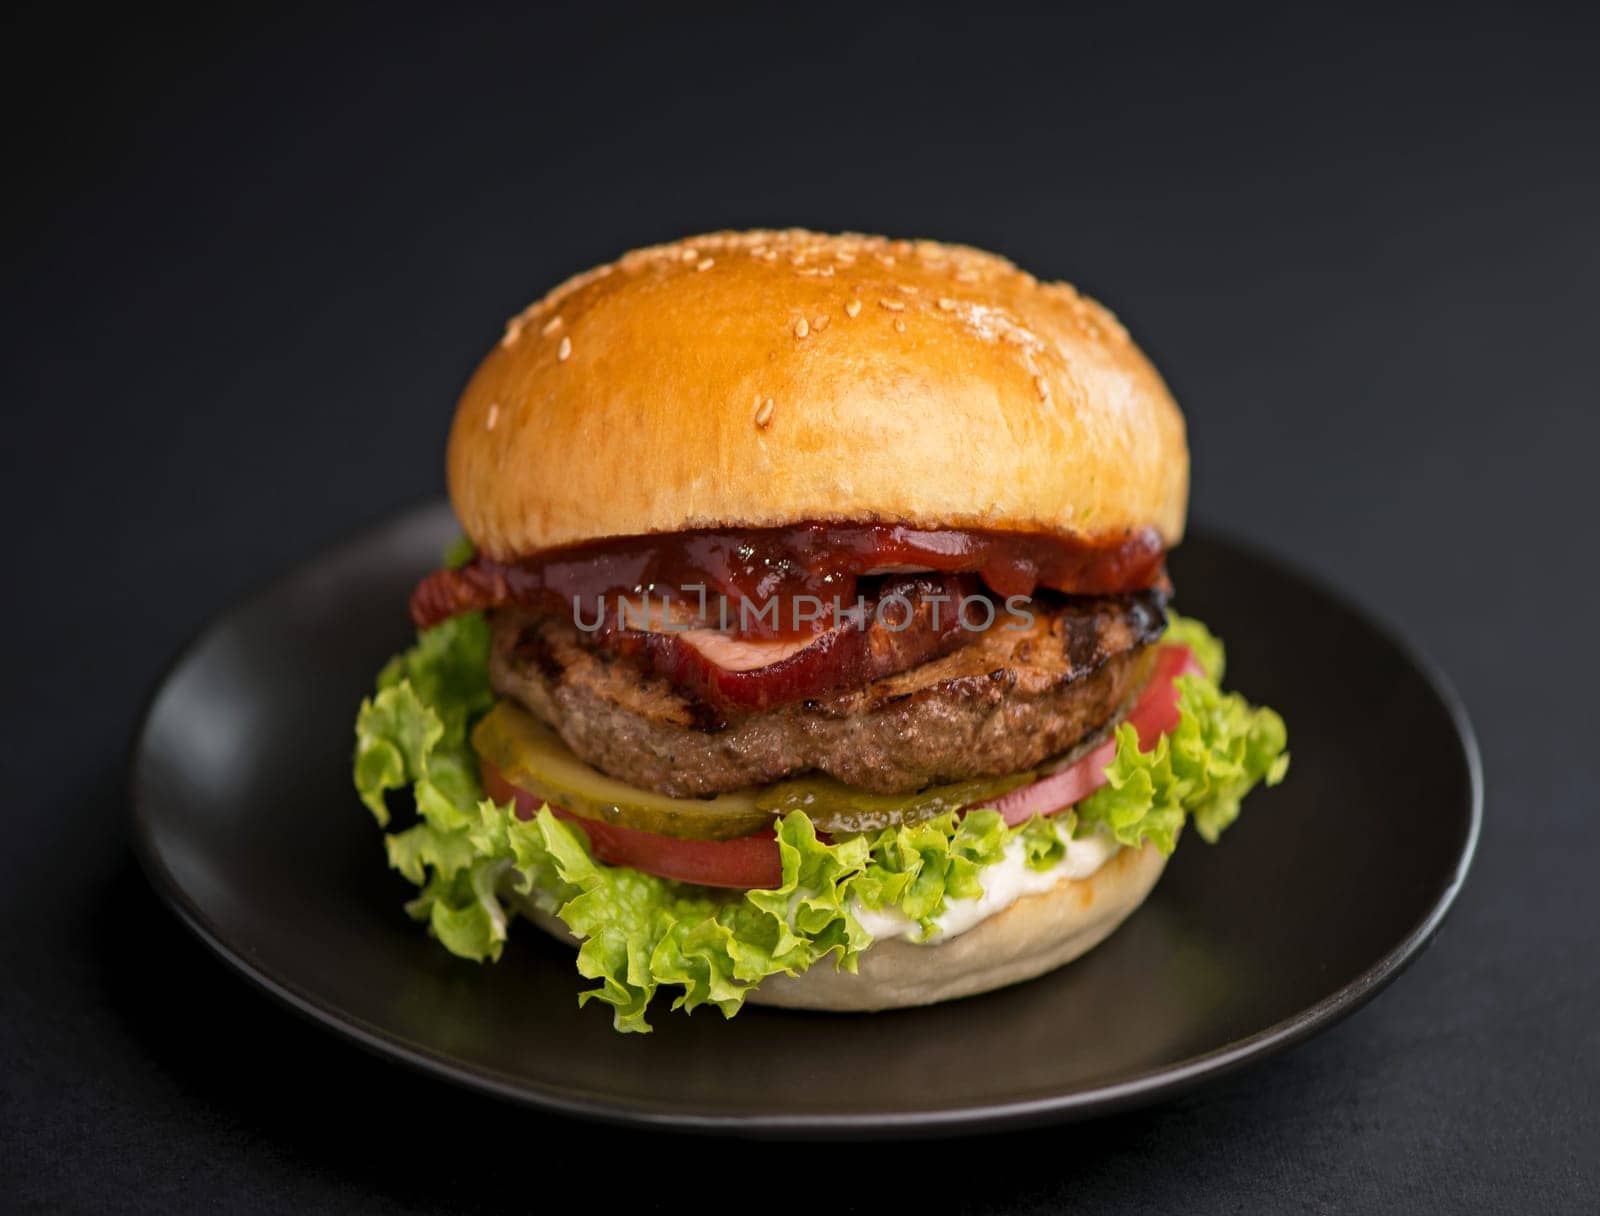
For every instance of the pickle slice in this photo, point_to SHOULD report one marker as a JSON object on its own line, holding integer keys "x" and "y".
{"x": 836, "y": 807}
{"x": 532, "y": 757}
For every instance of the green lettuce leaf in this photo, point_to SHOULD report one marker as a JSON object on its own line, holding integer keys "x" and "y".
{"x": 1206, "y": 648}
{"x": 638, "y": 934}
{"x": 460, "y": 552}
{"x": 1044, "y": 841}
{"x": 413, "y": 731}
{"x": 917, "y": 868}
{"x": 1221, "y": 747}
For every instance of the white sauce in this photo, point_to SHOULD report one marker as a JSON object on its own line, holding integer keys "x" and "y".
{"x": 1004, "y": 882}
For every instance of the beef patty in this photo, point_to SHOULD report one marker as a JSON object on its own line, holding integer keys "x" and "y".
{"x": 1007, "y": 702}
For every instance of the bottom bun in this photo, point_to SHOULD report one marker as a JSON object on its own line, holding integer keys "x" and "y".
{"x": 1036, "y": 934}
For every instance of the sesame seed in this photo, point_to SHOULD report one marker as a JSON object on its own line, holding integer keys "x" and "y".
{"x": 706, "y": 263}
{"x": 892, "y": 305}
{"x": 770, "y": 255}
{"x": 899, "y": 325}
{"x": 1041, "y": 388}
{"x": 494, "y": 415}
{"x": 690, "y": 255}
{"x": 907, "y": 290}
{"x": 564, "y": 351}
{"x": 550, "y": 326}
{"x": 764, "y": 414}
{"x": 967, "y": 276}
{"x": 853, "y": 308}
{"x": 801, "y": 329}
{"x": 513, "y": 332}
{"x": 821, "y": 322}
{"x": 946, "y": 304}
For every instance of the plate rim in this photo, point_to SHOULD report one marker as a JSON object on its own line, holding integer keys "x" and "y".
{"x": 1163, "y": 1082}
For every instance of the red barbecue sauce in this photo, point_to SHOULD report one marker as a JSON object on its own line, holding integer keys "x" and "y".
{"x": 823, "y": 560}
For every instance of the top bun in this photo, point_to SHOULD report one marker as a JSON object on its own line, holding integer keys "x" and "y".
{"x": 755, "y": 379}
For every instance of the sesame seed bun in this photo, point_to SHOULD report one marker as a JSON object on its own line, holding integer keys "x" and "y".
{"x": 766, "y": 378}
{"x": 1036, "y": 934}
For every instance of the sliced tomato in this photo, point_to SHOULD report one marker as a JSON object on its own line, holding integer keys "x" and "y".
{"x": 747, "y": 861}
{"x": 752, "y": 861}
{"x": 1155, "y": 713}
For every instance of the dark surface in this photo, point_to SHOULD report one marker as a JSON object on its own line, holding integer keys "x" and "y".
{"x": 1203, "y": 982}
{"x": 253, "y": 258}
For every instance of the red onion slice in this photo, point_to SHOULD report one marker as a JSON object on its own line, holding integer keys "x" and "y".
{"x": 1155, "y": 713}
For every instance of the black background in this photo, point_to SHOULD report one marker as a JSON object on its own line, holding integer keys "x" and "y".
{"x": 253, "y": 257}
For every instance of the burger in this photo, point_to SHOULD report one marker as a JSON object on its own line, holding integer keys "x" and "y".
{"x": 809, "y": 642}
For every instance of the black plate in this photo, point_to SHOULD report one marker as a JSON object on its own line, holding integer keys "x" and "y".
{"x": 1321, "y": 893}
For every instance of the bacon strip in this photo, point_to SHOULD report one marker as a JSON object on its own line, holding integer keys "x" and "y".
{"x": 447, "y": 593}
{"x": 855, "y": 650}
